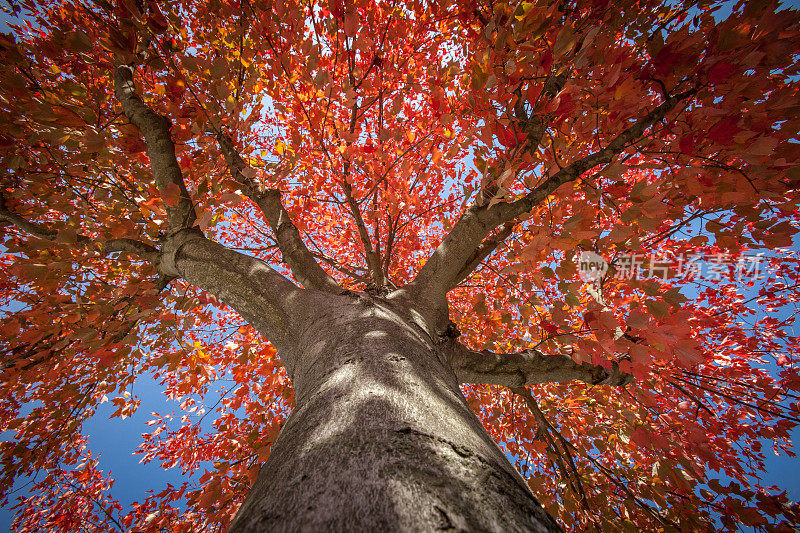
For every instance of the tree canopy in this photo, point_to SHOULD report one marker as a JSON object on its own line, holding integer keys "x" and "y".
{"x": 484, "y": 151}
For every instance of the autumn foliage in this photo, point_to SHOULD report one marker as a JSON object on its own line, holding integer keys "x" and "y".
{"x": 381, "y": 123}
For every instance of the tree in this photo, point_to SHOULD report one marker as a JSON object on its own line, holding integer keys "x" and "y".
{"x": 379, "y": 217}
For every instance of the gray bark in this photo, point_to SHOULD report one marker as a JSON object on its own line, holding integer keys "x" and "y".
{"x": 381, "y": 438}
{"x": 268, "y": 301}
{"x": 155, "y": 130}
{"x": 527, "y": 367}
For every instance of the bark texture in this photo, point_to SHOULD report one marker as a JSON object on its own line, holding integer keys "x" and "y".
{"x": 381, "y": 438}
{"x": 527, "y": 368}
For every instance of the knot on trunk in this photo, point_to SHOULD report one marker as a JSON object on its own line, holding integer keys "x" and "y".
{"x": 170, "y": 246}
{"x": 604, "y": 376}
{"x": 450, "y": 333}
{"x": 377, "y": 290}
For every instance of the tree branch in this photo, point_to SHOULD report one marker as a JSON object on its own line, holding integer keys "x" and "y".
{"x": 130, "y": 246}
{"x": 296, "y": 254}
{"x": 263, "y": 297}
{"x": 346, "y": 271}
{"x": 535, "y": 125}
{"x": 447, "y": 264}
{"x": 41, "y": 231}
{"x": 534, "y": 407}
{"x": 160, "y": 148}
{"x": 484, "y": 250}
{"x": 512, "y": 210}
{"x": 37, "y": 230}
{"x": 527, "y": 368}
{"x": 257, "y": 292}
{"x": 373, "y": 258}
{"x": 575, "y": 480}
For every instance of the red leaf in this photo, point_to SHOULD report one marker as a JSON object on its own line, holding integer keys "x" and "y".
{"x": 686, "y": 144}
{"x": 724, "y": 130}
{"x": 508, "y": 137}
{"x": 171, "y": 195}
{"x": 350, "y": 24}
{"x": 720, "y": 72}
{"x": 665, "y": 60}
{"x": 549, "y": 327}
{"x": 337, "y": 8}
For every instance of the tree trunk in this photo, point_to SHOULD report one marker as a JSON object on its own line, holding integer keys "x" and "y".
{"x": 381, "y": 438}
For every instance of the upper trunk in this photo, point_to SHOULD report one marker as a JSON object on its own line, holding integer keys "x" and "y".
{"x": 381, "y": 437}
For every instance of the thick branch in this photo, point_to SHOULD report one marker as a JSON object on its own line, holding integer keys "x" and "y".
{"x": 484, "y": 250}
{"x": 267, "y": 300}
{"x": 37, "y": 230}
{"x": 160, "y": 148}
{"x": 527, "y": 368}
{"x": 446, "y": 266}
{"x": 262, "y": 296}
{"x": 129, "y": 246}
{"x": 534, "y": 126}
{"x": 300, "y": 260}
{"x": 512, "y": 210}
